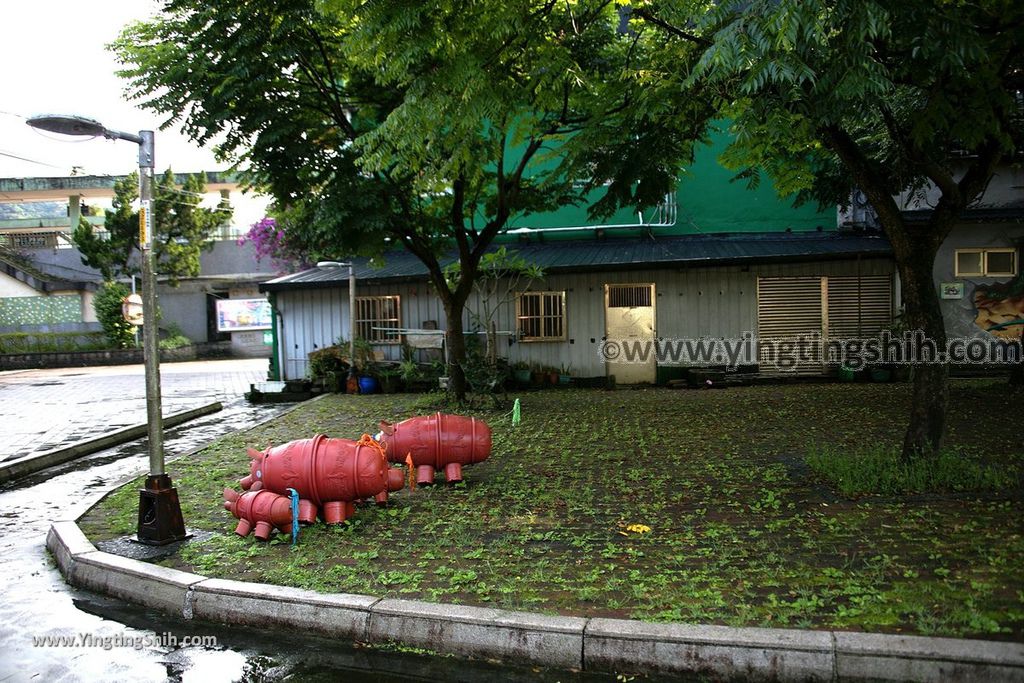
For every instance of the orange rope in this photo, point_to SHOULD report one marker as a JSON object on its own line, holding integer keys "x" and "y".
{"x": 369, "y": 441}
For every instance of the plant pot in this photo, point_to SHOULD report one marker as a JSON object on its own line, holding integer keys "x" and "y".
{"x": 522, "y": 376}
{"x": 334, "y": 382}
{"x": 539, "y": 378}
{"x": 553, "y": 378}
{"x": 368, "y": 385}
{"x": 564, "y": 380}
{"x": 846, "y": 374}
{"x": 881, "y": 375}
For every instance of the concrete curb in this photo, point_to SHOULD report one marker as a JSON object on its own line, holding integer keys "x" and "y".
{"x": 613, "y": 645}
{"x": 22, "y": 467}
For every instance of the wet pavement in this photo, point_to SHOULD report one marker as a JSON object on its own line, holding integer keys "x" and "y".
{"x": 42, "y": 410}
{"x": 109, "y": 640}
{"x": 37, "y": 602}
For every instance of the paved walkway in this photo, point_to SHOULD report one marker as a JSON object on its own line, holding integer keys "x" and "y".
{"x": 41, "y": 410}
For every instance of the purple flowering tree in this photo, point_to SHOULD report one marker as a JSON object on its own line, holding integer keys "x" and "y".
{"x": 270, "y": 242}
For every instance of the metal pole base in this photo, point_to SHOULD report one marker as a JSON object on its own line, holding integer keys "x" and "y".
{"x": 160, "y": 520}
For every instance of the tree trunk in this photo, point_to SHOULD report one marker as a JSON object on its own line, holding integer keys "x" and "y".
{"x": 930, "y": 400}
{"x": 456, "y": 342}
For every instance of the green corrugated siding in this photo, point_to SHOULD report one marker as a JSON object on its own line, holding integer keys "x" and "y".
{"x": 707, "y": 202}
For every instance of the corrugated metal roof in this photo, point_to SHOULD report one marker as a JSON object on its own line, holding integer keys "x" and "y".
{"x": 633, "y": 253}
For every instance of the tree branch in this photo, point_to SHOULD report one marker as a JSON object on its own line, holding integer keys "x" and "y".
{"x": 669, "y": 28}
{"x": 869, "y": 181}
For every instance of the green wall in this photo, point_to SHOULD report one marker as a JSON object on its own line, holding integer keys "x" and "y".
{"x": 707, "y": 203}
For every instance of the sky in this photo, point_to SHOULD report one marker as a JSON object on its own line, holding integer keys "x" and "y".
{"x": 54, "y": 61}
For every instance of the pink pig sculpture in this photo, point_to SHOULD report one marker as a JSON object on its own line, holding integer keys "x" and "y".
{"x": 328, "y": 474}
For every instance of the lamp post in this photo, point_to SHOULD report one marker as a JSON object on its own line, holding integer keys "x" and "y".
{"x": 351, "y": 308}
{"x": 160, "y": 521}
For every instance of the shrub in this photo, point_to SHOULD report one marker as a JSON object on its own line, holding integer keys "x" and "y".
{"x": 880, "y": 470}
{"x": 175, "y": 341}
{"x": 48, "y": 342}
{"x": 328, "y": 359}
{"x": 107, "y": 305}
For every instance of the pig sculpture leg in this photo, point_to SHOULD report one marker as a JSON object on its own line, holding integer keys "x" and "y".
{"x": 453, "y": 473}
{"x": 336, "y": 512}
{"x": 424, "y": 475}
{"x": 307, "y": 512}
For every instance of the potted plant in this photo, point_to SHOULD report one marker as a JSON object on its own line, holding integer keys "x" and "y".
{"x": 565, "y": 374}
{"x": 552, "y": 374}
{"x": 521, "y": 372}
{"x": 538, "y": 375}
{"x": 329, "y": 366}
{"x": 389, "y": 378}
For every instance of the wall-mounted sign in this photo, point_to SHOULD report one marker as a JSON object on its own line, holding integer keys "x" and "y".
{"x": 239, "y": 315}
{"x": 951, "y": 290}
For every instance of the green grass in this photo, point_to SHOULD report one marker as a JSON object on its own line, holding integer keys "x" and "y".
{"x": 881, "y": 470}
{"x": 742, "y": 530}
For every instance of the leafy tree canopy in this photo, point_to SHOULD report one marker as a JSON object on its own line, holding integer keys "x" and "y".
{"x": 182, "y": 229}
{"x": 425, "y": 125}
{"x": 824, "y": 95}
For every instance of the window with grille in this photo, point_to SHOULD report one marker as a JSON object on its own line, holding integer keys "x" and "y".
{"x": 985, "y": 262}
{"x": 629, "y": 296}
{"x": 541, "y": 316}
{"x": 378, "y": 319}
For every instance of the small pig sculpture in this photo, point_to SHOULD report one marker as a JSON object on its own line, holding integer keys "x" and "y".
{"x": 438, "y": 441}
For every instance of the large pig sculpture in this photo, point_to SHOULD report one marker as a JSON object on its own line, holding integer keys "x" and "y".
{"x": 328, "y": 474}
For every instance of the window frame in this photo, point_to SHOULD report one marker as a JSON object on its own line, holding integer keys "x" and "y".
{"x": 985, "y": 271}
{"x": 377, "y": 320}
{"x": 541, "y": 317}
{"x": 1006, "y": 250}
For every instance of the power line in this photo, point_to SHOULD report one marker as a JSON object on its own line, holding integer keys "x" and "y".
{"x": 31, "y": 161}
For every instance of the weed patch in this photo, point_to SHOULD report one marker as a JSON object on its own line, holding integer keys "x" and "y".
{"x": 881, "y": 470}
{"x": 652, "y": 504}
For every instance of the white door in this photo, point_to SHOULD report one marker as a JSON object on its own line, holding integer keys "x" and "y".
{"x": 629, "y": 318}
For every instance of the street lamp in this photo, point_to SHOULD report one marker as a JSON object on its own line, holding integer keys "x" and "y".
{"x": 351, "y": 308}
{"x": 160, "y": 520}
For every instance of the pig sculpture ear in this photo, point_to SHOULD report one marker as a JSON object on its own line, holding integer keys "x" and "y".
{"x": 387, "y": 427}
{"x": 253, "y": 453}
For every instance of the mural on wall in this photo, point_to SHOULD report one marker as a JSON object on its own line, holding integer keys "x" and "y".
{"x": 40, "y": 310}
{"x": 1000, "y": 308}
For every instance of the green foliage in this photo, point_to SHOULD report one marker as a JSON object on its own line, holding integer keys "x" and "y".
{"x": 182, "y": 229}
{"x": 175, "y": 341}
{"x": 107, "y": 304}
{"x": 881, "y": 470}
{"x": 328, "y": 359}
{"x": 112, "y": 255}
{"x": 50, "y": 342}
{"x": 426, "y": 126}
